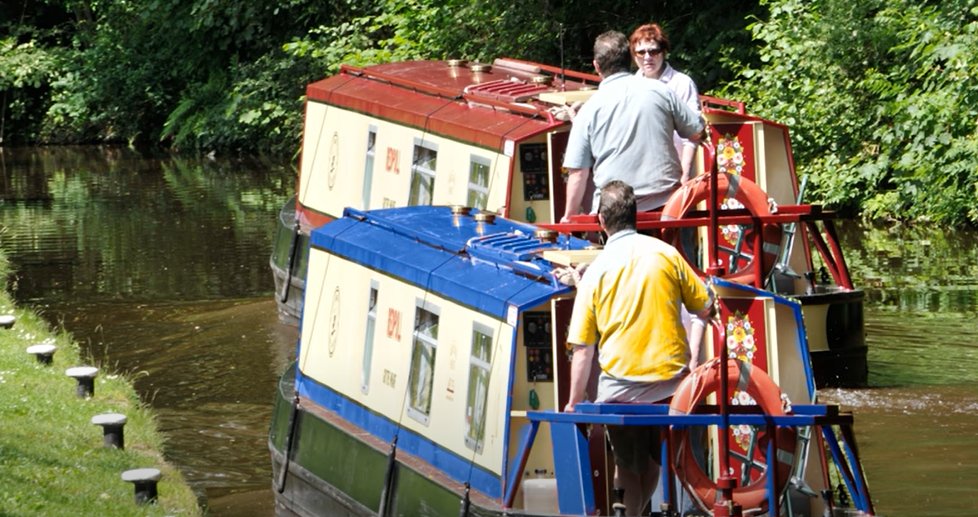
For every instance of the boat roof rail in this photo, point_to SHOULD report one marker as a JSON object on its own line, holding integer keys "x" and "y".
{"x": 515, "y": 64}
{"x": 585, "y": 78}
{"x": 707, "y": 101}
{"x": 376, "y": 75}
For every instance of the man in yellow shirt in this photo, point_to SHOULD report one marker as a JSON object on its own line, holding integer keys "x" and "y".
{"x": 628, "y": 305}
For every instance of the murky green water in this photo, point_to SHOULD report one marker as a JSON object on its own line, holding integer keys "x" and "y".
{"x": 159, "y": 266}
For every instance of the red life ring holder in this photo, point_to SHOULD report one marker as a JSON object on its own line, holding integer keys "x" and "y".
{"x": 692, "y": 391}
{"x": 748, "y": 194}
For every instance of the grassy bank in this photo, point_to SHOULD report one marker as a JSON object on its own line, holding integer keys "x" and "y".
{"x": 52, "y": 459}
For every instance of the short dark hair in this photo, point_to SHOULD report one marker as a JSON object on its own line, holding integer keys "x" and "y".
{"x": 617, "y": 206}
{"x": 612, "y": 53}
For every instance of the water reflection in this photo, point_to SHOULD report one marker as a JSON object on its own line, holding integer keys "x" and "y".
{"x": 158, "y": 264}
{"x": 920, "y": 268}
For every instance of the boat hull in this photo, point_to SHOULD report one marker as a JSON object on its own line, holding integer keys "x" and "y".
{"x": 290, "y": 253}
{"x": 837, "y": 338}
{"x": 334, "y": 470}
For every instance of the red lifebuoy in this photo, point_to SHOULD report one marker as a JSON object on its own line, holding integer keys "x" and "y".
{"x": 754, "y": 200}
{"x": 742, "y": 377}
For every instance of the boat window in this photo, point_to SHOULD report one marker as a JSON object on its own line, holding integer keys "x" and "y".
{"x": 423, "y": 174}
{"x": 368, "y": 171}
{"x": 478, "y": 183}
{"x": 368, "y": 345}
{"x": 475, "y": 405}
{"x": 423, "y": 362}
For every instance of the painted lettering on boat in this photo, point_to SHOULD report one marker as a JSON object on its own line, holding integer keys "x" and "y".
{"x": 334, "y": 151}
{"x": 393, "y": 159}
{"x": 390, "y": 378}
{"x": 394, "y": 324}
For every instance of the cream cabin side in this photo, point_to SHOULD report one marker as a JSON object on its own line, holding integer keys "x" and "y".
{"x": 421, "y": 361}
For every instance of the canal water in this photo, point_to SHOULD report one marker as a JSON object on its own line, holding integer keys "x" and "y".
{"x": 158, "y": 265}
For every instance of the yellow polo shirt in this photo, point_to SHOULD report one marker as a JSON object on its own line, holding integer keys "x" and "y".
{"x": 628, "y": 303}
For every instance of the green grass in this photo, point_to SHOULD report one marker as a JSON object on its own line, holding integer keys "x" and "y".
{"x": 52, "y": 461}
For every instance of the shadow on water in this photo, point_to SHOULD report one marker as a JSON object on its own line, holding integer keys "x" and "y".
{"x": 159, "y": 267}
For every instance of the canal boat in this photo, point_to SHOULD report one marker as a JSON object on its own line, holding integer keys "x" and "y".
{"x": 492, "y": 136}
{"x": 431, "y": 364}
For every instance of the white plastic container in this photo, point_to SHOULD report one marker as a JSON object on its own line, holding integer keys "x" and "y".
{"x": 540, "y": 495}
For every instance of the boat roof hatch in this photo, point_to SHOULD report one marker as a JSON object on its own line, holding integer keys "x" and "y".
{"x": 476, "y": 259}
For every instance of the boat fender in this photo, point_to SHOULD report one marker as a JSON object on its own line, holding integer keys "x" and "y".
{"x": 748, "y": 194}
{"x": 692, "y": 391}
{"x": 386, "y": 493}
{"x": 463, "y": 510}
{"x": 288, "y": 443}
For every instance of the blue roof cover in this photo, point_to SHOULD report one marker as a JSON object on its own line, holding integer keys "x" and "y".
{"x": 487, "y": 266}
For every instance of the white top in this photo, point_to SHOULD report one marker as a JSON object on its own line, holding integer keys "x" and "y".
{"x": 148, "y": 474}
{"x": 109, "y": 419}
{"x": 41, "y": 349}
{"x": 81, "y": 371}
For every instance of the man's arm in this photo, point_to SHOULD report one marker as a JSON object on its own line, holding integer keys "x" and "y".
{"x": 689, "y": 154}
{"x": 697, "y": 330}
{"x": 576, "y": 186}
{"x": 580, "y": 373}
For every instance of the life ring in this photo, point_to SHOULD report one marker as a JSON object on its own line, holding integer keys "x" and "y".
{"x": 741, "y": 377}
{"x": 754, "y": 200}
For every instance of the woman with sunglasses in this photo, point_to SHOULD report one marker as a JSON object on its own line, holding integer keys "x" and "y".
{"x": 650, "y": 47}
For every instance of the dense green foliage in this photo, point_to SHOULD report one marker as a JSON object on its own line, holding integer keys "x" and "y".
{"x": 218, "y": 74}
{"x": 876, "y": 92}
{"x": 879, "y": 99}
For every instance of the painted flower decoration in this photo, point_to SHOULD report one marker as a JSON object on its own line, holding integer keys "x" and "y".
{"x": 743, "y": 434}
{"x": 730, "y": 154}
{"x": 730, "y": 231}
{"x": 730, "y": 159}
{"x": 740, "y": 337}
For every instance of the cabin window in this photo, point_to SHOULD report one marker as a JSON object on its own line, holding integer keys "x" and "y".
{"x": 423, "y": 174}
{"x": 475, "y": 405}
{"x": 478, "y": 183}
{"x": 368, "y": 170}
{"x": 423, "y": 362}
{"x": 368, "y": 344}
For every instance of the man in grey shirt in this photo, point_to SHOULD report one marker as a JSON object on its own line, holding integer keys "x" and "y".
{"x": 624, "y": 132}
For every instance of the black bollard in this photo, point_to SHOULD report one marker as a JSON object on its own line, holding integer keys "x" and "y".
{"x": 112, "y": 424}
{"x": 85, "y": 375}
{"x": 144, "y": 481}
{"x": 43, "y": 352}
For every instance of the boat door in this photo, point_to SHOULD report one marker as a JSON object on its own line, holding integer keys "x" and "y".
{"x": 556, "y": 144}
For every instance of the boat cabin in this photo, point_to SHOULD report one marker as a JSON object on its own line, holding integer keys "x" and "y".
{"x": 490, "y": 136}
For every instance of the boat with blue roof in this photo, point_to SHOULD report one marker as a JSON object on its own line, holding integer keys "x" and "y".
{"x": 431, "y": 365}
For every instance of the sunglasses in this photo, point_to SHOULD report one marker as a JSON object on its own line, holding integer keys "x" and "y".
{"x": 649, "y": 51}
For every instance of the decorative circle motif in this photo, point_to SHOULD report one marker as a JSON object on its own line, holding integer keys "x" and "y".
{"x": 334, "y": 321}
